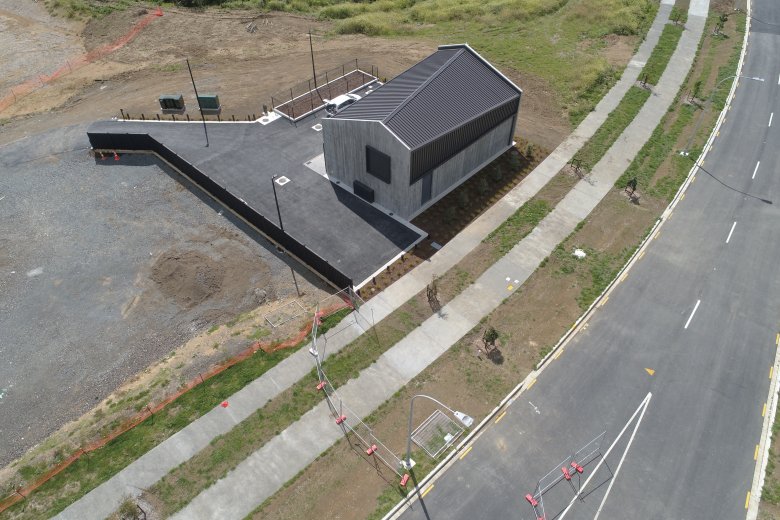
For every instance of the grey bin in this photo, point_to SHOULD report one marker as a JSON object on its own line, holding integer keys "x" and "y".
{"x": 209, "y": 103}
{"x": 172, "y": 103}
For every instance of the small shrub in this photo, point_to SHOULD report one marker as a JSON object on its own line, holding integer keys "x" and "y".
{"x": 482, "y": 186}
{"x": 463, "y": 199}
{"x": 497, "y": 174}
{"x": 128, "y": 510}
{"x": 450, "y": 214}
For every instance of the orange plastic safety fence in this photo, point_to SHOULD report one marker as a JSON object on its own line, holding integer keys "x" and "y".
{"x": 268, "y": 347}
{"x": 74, "y": 64}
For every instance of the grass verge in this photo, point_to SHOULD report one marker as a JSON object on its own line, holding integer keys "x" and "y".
{"x": 617, "y": 121}
{"x": 656, "y": 63}
{"x": 528, "y": 322}
{"x": 183, "y": 483}
{"x": 95, "y": 467}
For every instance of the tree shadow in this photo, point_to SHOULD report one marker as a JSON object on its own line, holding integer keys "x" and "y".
{"x": 495, "y": 355}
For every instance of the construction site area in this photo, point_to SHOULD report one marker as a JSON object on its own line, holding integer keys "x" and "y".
{"x": 159, "y": 269}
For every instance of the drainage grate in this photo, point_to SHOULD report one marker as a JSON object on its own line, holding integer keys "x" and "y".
{"x": 317, "y": 127}
{"x": 281, "y": 181}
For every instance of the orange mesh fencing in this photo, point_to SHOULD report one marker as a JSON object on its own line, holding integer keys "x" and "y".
{"x": 268, "y": 347}
{"x": 76, "y": 63}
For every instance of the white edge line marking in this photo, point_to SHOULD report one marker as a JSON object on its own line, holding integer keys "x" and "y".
{"x": 778, "y": 79}
{"x": 692, "y": 313}
{"x": 622, "y": 459}
{"x": 642, "y": 406}
{"x": 732, "y": 231}
{"x": 770, "y": 118}
{"x": 756, "y": 169}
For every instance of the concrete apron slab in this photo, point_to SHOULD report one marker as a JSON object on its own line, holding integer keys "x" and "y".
{"x": 180, "y": 447}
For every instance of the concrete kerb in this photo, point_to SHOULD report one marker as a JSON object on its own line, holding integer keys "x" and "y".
{"x": 527, "y": 381}
{"x": 721, "y": 117}
{"x": 759, "y": 473}
{"x": 582, "y": 320}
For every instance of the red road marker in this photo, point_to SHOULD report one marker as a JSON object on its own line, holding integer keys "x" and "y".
{"x": 224, "y": 404}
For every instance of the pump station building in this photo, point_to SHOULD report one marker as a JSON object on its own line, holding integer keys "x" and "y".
{"x": 414, "y": 139}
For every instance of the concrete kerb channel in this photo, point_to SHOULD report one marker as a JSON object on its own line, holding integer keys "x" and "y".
{"x": 759, "y": 474}
{"x": 531, "y": 378}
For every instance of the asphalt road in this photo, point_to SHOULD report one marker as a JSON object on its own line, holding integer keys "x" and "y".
{"x": 701, "y": 310}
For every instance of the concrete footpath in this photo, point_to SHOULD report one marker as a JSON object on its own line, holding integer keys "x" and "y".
{"x": 265, "y": 471}
{"x": 180, "y": 447}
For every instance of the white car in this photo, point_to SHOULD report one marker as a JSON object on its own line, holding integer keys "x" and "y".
{"x": 339, "y": 103}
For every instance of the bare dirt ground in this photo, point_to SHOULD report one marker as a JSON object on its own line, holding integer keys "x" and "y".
{"x": 244, "y": 68}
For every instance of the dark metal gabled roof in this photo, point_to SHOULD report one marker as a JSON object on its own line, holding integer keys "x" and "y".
{"x": 441, "y": 93}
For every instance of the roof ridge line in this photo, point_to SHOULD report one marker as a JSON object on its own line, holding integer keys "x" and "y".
{"x": 424, "y": 84}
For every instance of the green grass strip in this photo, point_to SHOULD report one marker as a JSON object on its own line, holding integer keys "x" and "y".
{"x": 225, "y": 452}
{"x": 96, "y": 467}
{"x": 656, "y": 63}
{"x": 660, "y": 146}
{"x": 617, "y": 121}
{"x": 516, "y": 227}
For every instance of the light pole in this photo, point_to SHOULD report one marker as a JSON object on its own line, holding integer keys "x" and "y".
{"x": 198, "y": 99}
{"x": 466, "y": 420}
{"x": 686, "y": 151}
{"x": 276, "y": 200}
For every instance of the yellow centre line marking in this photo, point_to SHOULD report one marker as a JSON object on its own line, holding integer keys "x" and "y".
{"x": 558, "y": 353}
{"x": 755, "y": 453}
{"x": 717, "y": 134}
{"x": 469, "y": 449}
{"x": 427, "y": 490}
{"x": 682, "y": 197}
{"x": 771, "y": 371}
{"x": 777, "y": 339}
{"x": 747, "y": 499}
{"x": 763, "y": 410}
{"x": 602, "y": 302}
{"x": 500, "y": 417}
{"x": 656, "y": 234}
{"x": 532, "y": 383}
{"x": 623, "y": 277}
{"x": 641, "y": 255}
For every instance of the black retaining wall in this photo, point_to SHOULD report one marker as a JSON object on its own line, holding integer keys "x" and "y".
{"x": 144, "y": 142}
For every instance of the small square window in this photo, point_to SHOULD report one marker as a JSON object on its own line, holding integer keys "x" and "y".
{"x": 378, "y": 164}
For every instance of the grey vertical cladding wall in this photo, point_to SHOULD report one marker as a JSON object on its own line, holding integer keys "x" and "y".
{"x": 463, "y": 165}
{"x": 345, "y": 159}
{"x": 441, "y": 149}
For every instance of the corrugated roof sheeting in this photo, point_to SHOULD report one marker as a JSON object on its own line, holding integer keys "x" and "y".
{"x": 387, "y": 98}
{"x": 437, "y": 151}
{"x": 465, "y": 89}
{"x": 446, "y": 90}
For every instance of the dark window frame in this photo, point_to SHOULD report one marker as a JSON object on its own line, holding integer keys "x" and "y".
{"x": 380, "y": 167}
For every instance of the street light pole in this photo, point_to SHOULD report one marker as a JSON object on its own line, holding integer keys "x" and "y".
{"x": 276, "y": 199}
{"x": 202, "y": 117}
{"x": 466, "y": 420}
{"x": 686, "y": 151}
